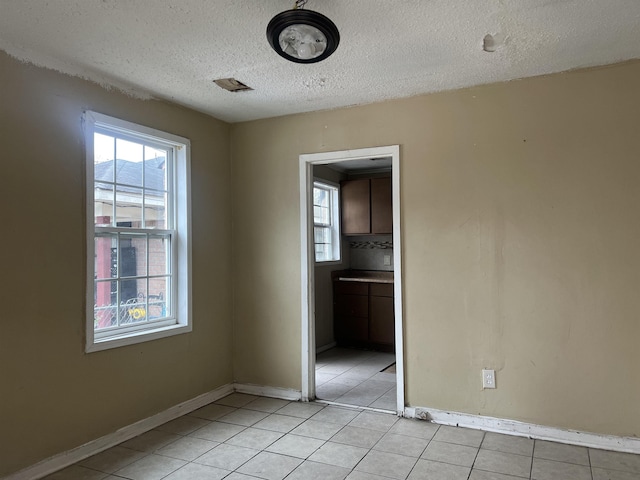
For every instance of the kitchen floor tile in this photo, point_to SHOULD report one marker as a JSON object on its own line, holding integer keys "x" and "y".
{"x": 217, "y": 431}
{"x": 227, "y": 457}
{"x": 459, "y": 435}
{"x": 151, "y": 467}
{"x": 339, "y": 455}
{"x": 296, "y": 446}
{"x": 507, "y": 444}
{"x": 402, "y": 445}
{"x": 452, "y": 453}
{"x": 500, "y": 462}
{"x": 387, "y": 464}
{"x": 187, "y": 448}
{"x": 279, "y": 423}
{"x": 551, "y": 470}
{"x": 318, "y": 471}
{"x": 427, "y": 469}
{"x": 357, "y": 437}
{"x": 255, "y": 438}
{"x": 270, "y": 466}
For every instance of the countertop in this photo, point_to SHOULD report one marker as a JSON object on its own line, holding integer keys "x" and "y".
{"x": 369, "y": 276}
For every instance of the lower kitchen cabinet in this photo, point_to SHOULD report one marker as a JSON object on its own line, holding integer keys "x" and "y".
{"x": 363, "y": 315}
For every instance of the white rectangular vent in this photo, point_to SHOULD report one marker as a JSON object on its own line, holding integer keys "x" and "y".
{"x": 232, "y": 85}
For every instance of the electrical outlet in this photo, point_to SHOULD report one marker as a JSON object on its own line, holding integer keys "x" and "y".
{"x": 488, "y": 379}
{"x": 386, "y": 259}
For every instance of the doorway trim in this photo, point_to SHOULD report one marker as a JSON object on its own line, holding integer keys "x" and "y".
{"x": 307, "y": 161}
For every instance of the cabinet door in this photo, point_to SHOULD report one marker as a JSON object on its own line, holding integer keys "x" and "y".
{"x": 381, "y": 320}
{"x": 356, "y": 209}
{"x": 381, "y": 205}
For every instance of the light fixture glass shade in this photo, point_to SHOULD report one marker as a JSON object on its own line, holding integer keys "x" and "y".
{"x": 302, "y": 36}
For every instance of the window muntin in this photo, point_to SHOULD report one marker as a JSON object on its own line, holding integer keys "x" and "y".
{"x": 138, "y": 209}
{"x": 326, "y": 233}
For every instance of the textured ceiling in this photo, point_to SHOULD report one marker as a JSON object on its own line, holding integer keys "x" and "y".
{"x": 388, "y": 49}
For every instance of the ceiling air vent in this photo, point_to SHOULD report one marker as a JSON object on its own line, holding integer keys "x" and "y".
{"x": 232, "y": 85}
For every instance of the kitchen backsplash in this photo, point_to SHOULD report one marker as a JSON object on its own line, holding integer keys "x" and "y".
{"x": 370, "y": 252}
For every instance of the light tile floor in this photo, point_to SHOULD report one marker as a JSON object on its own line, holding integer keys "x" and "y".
{"x": 243, "y": 437}
{"x": 354, "y": 377}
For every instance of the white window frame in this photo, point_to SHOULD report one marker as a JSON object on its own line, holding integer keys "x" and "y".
{"x": 334, "y": 225}
{"x": 180, "y": 252}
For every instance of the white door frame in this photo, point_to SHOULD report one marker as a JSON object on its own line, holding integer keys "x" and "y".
{"x": 307, "y": 261}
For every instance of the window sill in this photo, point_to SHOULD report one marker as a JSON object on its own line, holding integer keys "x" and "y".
{"x": 136, "y": 337}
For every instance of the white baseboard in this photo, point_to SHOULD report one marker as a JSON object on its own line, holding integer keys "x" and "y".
{"x": 65, "y": 459}
{"x": 326, "y": 347}
{"x": 522, "y": 429}
{"x": 274, "y": 392}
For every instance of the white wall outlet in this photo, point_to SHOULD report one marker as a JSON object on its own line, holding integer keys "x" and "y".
{"x": 386, "y": 259}
{"x": 488, "y": 379}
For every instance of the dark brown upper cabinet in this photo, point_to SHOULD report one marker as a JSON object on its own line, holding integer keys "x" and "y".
{"x": 367, "y": 206}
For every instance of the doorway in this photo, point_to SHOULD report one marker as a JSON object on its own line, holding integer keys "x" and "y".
{"x": 365, "y": 359}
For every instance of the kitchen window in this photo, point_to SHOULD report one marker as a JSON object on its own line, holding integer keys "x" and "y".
{"x": 138, "y": 233}
{"x": 326, "y": 222}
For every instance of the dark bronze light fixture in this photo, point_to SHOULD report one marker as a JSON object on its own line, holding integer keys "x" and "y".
{"x": 302, "y": 36}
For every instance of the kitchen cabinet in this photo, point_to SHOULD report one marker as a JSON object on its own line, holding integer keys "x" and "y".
{"x": 367, "y": 206}
{"x": 363, "y": 314}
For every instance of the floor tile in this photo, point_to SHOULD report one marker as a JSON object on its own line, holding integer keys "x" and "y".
{"x": 462, "y": 455}
{"x": 217, "y": 431}
{"x": 339, "y": 455}
{"x": 322, "y": 377}
{"x": 113, "y": 459}
{"x": 482, "y": 475}
{"x": 358, "y": 437}
{"x": 187, "y": 448}
{"x": 195, "y": 471}
{"x": 626, "y": 462}
{"x": 459, "y": 435}
{"x": 239, "y": 476}
{"x": 254, "y": 438}
{"x": 550, "y": 470}
{"x": 243, "y": 417}
{"x": 264, "y": 404}
{"x": 385, "y": 403}
{"x": 315, "y": 429}
{"x": 603, "y": 474}
{"x": 151, "y": 467}
{"x": 338, "y": 415}
{"x": 296, "y": 446}
{"x": 561, "y": 453}
{"x": 212, "y": 411}
{"x": 150, "y": 441}
{"x": 300, "y": 409}
{"x": 415, "y": 428}
{"x": 183, "y": 425}
{"x": 501, "y": 462}
{"x": 426, "y": 469}
{"x": 279, "y": 423}
{"x": 236, "y": 400}
{"x": 508, "y": 444}
{"x": 356, "y": 475}
{"x": 270, "y": 466}
{"x": 374, "y": 421}
{"x": 356, "y": 399}
{"x": 387, "y": 464}
{"x": 402, "y": 445}
{"x": 227, "y": 457}
{"x": 318, "y": 471}
{"x": 76, "y": 472}
{"x": 331, "y": 391}
{"x": 347, "y": 380}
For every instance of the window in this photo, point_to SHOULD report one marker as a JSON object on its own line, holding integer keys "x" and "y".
{"x": 326, "y": 220}
{"x": 138, "y": 233}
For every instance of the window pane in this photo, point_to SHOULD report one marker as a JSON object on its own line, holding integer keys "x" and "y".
{"x": 128, "y": 207}
{"x": 320, "y": 197}
{"x": 105, "y": 263}
{"x": 322, "y": 235}
{"x": 155, "y": 209}
{"x": 103, "y": 151}
{"x": 103, "y": 204}
{"x": 133, "y": 255}
{"x": 321, "y": 215}
{"x": 129, "y": 156}
{"x": 158, "y": 255}
{"x": 158, "y": 305}
{"x": 105, "y": 311}
{"x": 133, "y": 307}
{"x": 155, "y": 172}
{"x": 322, "y": 253}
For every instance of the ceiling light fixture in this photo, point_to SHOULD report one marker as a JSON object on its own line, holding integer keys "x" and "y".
{"x": 302, "y": 36}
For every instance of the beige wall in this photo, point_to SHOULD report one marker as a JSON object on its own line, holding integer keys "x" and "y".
{"x": 53, "y": 396}
{"x": 520, "y": 225}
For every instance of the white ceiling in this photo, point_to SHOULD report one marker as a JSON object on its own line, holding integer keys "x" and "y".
{"x": 174, "y": 49}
